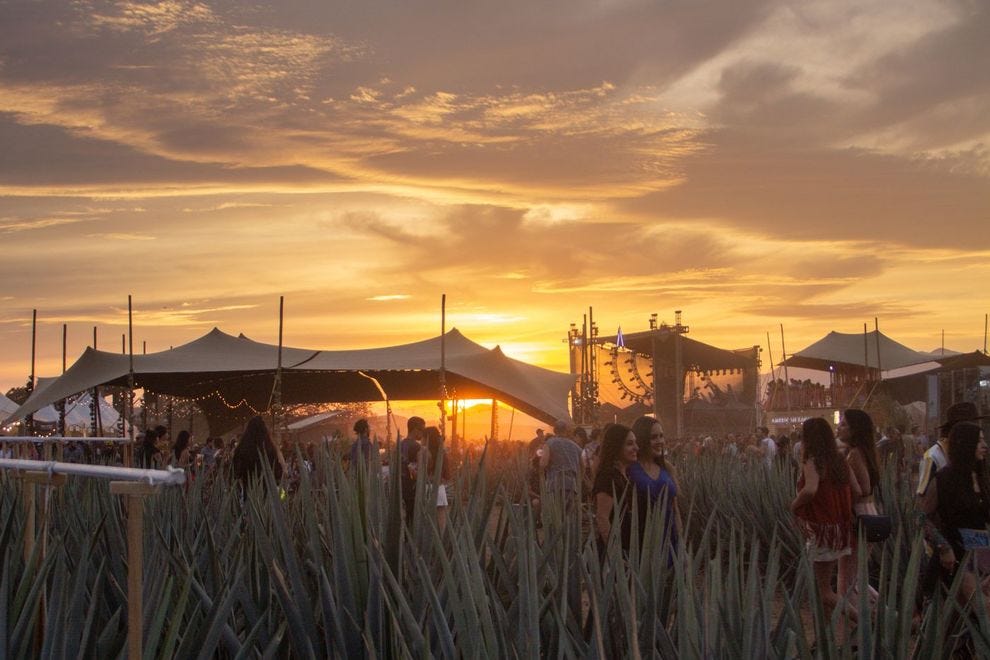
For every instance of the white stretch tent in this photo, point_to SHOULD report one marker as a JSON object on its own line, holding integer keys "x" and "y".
{"x": 849, "y": 350}
{"x": 224, "y": 373}
{"x": 76, "y": 412}
{"x": 7, "y": 406}
{"x": 46, "y": 414}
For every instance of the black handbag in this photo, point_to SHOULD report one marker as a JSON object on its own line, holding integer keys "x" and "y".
{"x": 875, "y": 529}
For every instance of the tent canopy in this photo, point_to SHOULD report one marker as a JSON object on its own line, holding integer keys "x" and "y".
{"x": 224, "y": 373}
{"x": 7, "y": 406}
{"x": 694, "y": 354}
{"x": 840, "y": 350}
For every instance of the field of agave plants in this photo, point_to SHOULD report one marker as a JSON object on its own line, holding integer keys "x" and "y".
{"x": 330, "y": 570}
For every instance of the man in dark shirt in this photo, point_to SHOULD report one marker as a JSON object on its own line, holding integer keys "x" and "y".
{"x": 362, "y": 448}
{"x": 409, "y": 449}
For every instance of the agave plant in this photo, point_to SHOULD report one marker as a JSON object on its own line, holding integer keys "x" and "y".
{"x": 332, "y": 569}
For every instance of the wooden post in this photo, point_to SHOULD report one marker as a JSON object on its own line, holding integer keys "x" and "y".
{"x": 30, "y": 515}
{"x": 135, "y": 492}
{"x": 129, "y": 447}
{"x": 30, "y": 481}
{"x": 47, "y": 480}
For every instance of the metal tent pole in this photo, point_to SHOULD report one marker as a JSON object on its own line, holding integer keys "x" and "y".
{"x": 787, "y": 376}
{"x": 129, "y": 448}
{"x": 443, "y": 366}
{"x": 30, "y": 385}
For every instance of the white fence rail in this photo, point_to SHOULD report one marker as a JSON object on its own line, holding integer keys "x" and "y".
{"x": 58, "y": 439}
{"x": 167, "y": 477}
{"x": 132, "y": 483}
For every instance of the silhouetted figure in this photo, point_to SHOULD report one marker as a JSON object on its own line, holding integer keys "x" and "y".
{"x": 254, "y": 447}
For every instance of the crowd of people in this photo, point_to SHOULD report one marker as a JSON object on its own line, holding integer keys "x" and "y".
{"x": 836, "y": 501}
{"x": 626, "y": 479}
{"x": 836, "y": 506}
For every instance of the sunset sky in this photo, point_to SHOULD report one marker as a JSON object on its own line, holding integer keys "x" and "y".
{"x": 752, "y": 163}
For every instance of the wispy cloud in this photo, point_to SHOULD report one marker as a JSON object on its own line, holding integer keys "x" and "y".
{"x": 122, "y": 236}
{"x": 226, "y": 206}
{"x": 742, "y": 161}
{"x": 14, "y": 225}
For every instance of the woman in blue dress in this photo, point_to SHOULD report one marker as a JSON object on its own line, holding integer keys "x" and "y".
{"x": 654, "y": 482}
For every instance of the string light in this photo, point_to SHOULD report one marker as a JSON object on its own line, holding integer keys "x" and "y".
{"x": 218, "y": 395}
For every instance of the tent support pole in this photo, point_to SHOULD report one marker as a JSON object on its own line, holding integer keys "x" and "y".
{"x": 656, "y": 373}
{"x": 94, "y": 408}
{"x": 30, "y": 384}
{"x": 277, "y": 390}
{"x": 494, "y": 426}
{"x": 129, "y": 447}
{"x": 866, "y": 354}
{"x": 456, "y": 431}
{"x": 773, "y": 375}
{"x": 443, "y": 367}
{"x": 679, "y": 330}
{"x": 593, "y": 364}
{"x": 787, "y": 377}
{"x": 876, "y": 325}
{"x": 61, "y": 404}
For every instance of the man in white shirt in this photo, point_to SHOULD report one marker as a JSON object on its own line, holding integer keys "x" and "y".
{"x": 768, "y": 445}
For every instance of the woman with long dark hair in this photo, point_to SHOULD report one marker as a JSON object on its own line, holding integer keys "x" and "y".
{"x": 823, "y": 507}
{"x": 180, "y": 450}
{"x": 857, "y": 432}
{"x": 653, "y": 480}
{"x": 255, "y": 446}
{"x": 957, "y": 507}
{"x": 611, "y": 487}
